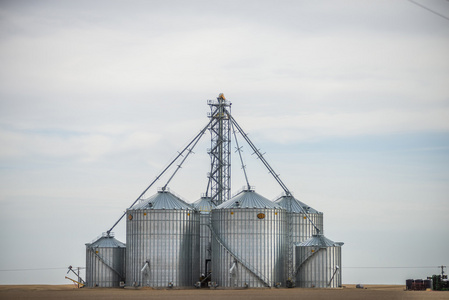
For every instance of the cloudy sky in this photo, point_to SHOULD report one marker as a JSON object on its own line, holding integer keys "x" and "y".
{"x": 349, "y": 99}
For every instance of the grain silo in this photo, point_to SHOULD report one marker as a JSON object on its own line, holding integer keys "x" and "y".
{"x": 248, "y": 242}
{"x": 204, "y": 205}
{"x": 302, "y": 223}
{"x": 105, "y": 262}
{"x": 318, "y": 263}
{"x": 302, "y": 227}
{"x": 162, "y": 234}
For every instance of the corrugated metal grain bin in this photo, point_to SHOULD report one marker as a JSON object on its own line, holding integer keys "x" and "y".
{"x": 248, "y": 242}
{"x": 105, "y": 262}
{"x": 318, "y": 263}
{"x": 204, "y": 206}
{"x": 300, "y": 228}
{"x": 162, "y": 235}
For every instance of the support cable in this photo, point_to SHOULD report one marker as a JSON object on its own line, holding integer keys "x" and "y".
{"x": 270, "y": 169}
{"x": 239, "y": 150}
{"x": 189, "y": 151}
{"x": 260, "y": 156}
{"x": 159, "y": 176}
{"x": 428, "y": 9}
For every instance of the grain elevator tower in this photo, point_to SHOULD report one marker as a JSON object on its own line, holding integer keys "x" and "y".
{"x": 220, "y": 154}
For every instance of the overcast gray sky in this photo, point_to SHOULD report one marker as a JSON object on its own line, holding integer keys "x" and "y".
{"x": 349, "y": 99}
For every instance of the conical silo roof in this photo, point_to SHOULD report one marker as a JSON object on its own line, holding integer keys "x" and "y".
{"x": 106, "y": 241}
{"x": 248, "y": 199}
{"x": 163, "y": 200}
{"x": 204, "y": 205}
{"x": 292, "y": 204}
{"x": 319, "y": 241}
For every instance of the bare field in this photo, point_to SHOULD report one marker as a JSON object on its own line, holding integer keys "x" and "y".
{"x": 348, "y": 292}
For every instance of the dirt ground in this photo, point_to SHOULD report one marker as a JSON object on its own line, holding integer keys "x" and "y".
{"x": 382, "y": 292}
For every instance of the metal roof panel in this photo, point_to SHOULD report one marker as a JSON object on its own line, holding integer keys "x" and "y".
{"x": 286, "y": 201}
{"x": 163, "y": 200}
{"x": 248, "y": 199}
{"x": 106, "y": 241}
{"x": 319, "y": 241}
{"x": 204, "y": 205}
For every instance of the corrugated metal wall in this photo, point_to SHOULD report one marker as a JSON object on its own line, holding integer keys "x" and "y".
{"x": 303, "y": 229}
{"x": 168, "y": 240}
{"x": 258, "y": 243}
{"x": 318, "y": 266}
{"x": 105, "y": 267}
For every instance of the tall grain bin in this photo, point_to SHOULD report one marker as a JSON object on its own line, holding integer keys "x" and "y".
{"x": 248, "y": 242}
{"x": 299, "y": 227}
{"x": 105, "y": 262}
{"x": 302, "y": 229}
{"x": 318, "y": 263}
{"x": 162, "y": 234}
{"x": 204, "y": 205}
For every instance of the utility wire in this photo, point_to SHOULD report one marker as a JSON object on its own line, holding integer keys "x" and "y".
{"x": 37, "y": 269}
{"x": 391, "y": 267}
{"x": 420, "y": 267}
{"x": 426, "y": 8}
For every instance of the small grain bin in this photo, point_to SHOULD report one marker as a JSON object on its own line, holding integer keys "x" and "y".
{"x": 162, "y": 233}
{"x": 105, "y": 262}
{"x": 318, "y": 263}
{"x": 204, "y": 205}
{"x": 248, "y": 242}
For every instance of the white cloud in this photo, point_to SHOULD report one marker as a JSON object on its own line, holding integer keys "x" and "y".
{"x": 290, "y": 128}
{"x": 78, "y": 147}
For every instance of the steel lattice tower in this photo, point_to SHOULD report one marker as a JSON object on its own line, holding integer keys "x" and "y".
{"x": 220, "y": 154}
